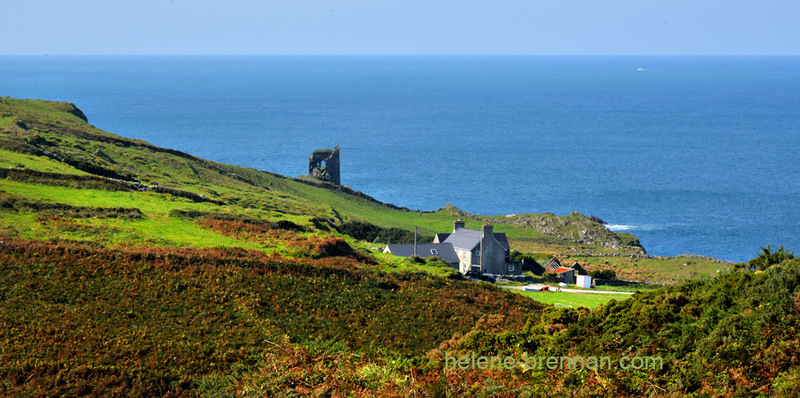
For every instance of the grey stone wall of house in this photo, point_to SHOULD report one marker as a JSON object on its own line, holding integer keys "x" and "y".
{"x": 494, "y": 255}
{"x": 324, "y": 165}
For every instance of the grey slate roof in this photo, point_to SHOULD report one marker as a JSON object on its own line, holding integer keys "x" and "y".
{"x": 444, "y": 251}
{"x": 468, "y": 239}
{"x": 501, "y": 237}
{"x": 440, "y": 237}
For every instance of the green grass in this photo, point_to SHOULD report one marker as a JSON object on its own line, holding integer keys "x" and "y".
{"x": 147, "y": 202}
{"x": 639, "y": 287}
{"x": 589, "y": 300}
{"x": 39, "y": 163}
{"x": 155, "y": 228}
{"x": 350, "y": 208}
{"x": 12, "y": 224}
{"x": 7, "y": 121}
{"x": 50, "y": 108}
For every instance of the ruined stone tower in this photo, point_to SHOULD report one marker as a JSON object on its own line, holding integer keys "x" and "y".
{"x": 324, "y": 165}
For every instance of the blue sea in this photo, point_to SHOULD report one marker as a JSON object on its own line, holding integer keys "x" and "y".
{"x": 692, "y": 154}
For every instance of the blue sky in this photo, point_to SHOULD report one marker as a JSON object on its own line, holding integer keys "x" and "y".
{"x": 625, "y": 27}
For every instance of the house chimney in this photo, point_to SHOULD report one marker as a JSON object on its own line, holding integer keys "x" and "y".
{"x": 457, "y": 224}
{"x": 487, "y": 231}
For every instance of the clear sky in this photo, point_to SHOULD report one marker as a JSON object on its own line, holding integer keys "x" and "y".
{"x": 628, "y": 27}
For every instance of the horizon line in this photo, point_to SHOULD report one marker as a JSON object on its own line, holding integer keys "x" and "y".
{"x": 381, "y": 55}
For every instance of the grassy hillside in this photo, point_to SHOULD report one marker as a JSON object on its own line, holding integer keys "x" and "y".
{"x": 49, "y": 137}
{"x": 132, "y": 270}
{"x": 49, "y": 152}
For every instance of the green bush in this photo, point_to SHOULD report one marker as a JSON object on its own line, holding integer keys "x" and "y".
{"x": 437, "y": 262}
{"x": 603, "y": 274}
{"x": 768, "y": 258}
{"x": 372, "y": 233}
{"x": 562, "y": 315}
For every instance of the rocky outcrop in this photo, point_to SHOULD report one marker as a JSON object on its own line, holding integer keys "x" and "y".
{"x": 74, "y": 110}
{"x": 597, "y": 219}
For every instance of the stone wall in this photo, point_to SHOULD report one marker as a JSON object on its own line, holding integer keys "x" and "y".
{"x": 324, "y": 165}
{"x": 493, "y": 253}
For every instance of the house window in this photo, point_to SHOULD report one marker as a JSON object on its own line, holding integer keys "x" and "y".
{"x": 511, "y": 268}
{"x": 478, "y": 253}
{"x": 434, "y": 252}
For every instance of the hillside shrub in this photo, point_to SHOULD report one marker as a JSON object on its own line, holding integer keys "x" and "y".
{"x": 603, "y": 274}
{"x": 767, "y": 258}
{"x": 372, "y": 233}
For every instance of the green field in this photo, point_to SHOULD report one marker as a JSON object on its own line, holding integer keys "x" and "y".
{"x": 589, "y": 300}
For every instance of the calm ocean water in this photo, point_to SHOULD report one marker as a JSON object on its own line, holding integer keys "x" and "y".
{"x": 691, "y": 154}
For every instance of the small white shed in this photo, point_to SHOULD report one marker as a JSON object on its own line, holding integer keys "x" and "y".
{"x": 584, "y": 281}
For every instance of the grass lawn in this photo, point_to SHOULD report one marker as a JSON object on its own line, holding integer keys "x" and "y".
{"x": 590, "y": 300}
{"x": 639, "y": 287}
